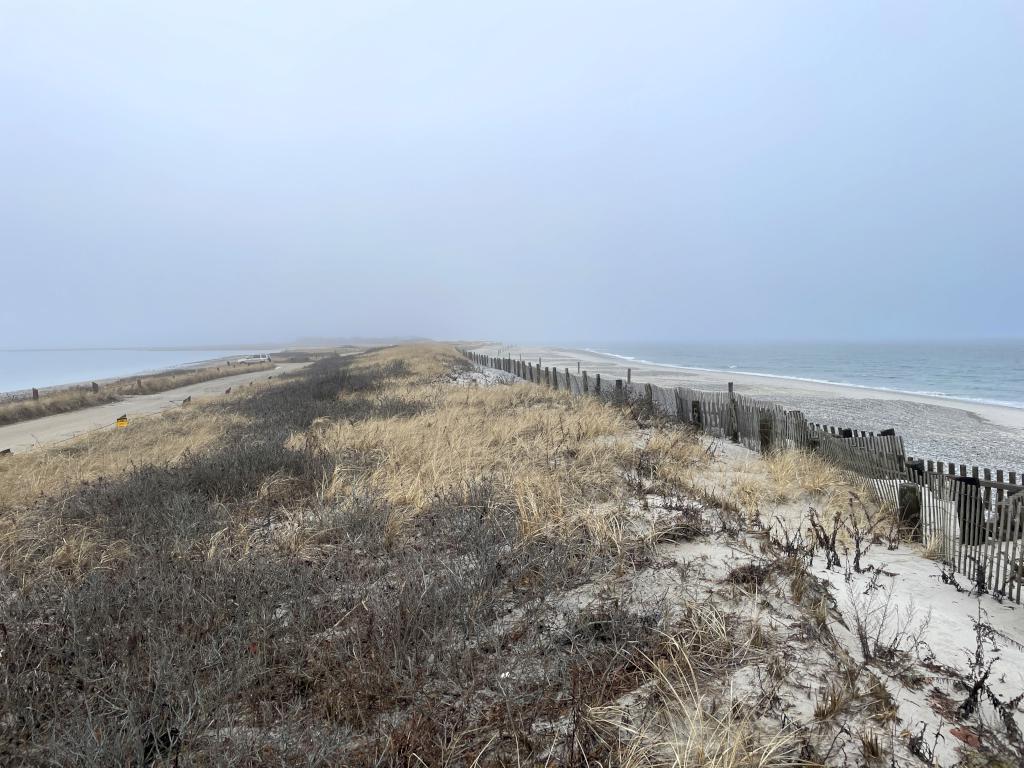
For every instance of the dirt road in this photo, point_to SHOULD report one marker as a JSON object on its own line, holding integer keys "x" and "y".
{"x": 25, "y": 435}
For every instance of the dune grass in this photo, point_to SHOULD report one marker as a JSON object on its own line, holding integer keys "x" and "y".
{"x": 376, "y": 562}
{"x": 551, "y": 459}
{"x": 229, "y": 555}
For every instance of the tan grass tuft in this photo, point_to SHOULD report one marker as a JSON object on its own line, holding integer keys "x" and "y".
{"x": 556, "y": 460}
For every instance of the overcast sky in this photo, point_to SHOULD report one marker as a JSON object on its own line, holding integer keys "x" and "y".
{"x": 192, "y": 172}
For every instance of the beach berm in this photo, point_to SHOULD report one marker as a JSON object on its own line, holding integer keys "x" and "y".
{"x": 398, "y": 558}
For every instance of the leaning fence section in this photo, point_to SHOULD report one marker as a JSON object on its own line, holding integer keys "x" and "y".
{"x": 969, "y": 517}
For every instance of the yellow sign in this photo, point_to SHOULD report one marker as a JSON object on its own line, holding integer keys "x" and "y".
{"x": 122, "y": 422}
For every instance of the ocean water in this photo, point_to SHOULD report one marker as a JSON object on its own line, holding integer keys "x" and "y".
{"x": 25, "y": 368}
{"x": 986, "y": 372}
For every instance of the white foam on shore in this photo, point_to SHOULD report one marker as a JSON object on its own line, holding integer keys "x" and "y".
{"x": 919, "y": 393}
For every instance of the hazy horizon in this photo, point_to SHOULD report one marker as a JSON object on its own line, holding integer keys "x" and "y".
{"x": 326, "y": 342}
{"x": 196, "y": 174}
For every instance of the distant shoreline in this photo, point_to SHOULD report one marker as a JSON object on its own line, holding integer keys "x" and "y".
{"x": 79, "y": 397}
{"x": 15, "y": 395}
{"x": 938, "y": 427}
{"x": 961, "y": 399}
{"x": 202, "y": 348}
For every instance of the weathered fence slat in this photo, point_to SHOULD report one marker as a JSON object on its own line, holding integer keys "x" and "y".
{"x": 973, "y": 520}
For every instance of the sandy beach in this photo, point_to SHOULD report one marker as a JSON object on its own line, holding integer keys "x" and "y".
{"x": 933, "y": 427}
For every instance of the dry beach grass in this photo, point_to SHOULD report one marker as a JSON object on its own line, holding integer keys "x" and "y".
{"x": 382, "y": 560}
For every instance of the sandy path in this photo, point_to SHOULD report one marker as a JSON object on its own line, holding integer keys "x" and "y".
{"x": 24, "y": 435}
{"x": 933, "y": 427}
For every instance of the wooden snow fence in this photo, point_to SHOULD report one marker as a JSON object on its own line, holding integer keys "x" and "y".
{"x": 970, "y": 518}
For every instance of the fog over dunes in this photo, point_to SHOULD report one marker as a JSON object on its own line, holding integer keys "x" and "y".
{"x": 194, "y": 173}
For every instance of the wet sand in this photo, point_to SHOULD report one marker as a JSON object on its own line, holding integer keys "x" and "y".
{"x": 932, "y": 427}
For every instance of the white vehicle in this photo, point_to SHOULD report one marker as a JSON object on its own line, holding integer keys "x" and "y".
{"x": 254, "y": 360}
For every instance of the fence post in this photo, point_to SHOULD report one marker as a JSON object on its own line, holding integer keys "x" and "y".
{"x": 680, "y": 408}
{"x": 649, "y": 397}
{"x": 629, "y": 375}
{"x": 734, "y": 422}
{"x": 697, "y": 417}
{"x": 597, "y": 384}
{"x": 764, "y": 428}
{"x": 35, "y": 393}
{"x": 618, "y": 391}
{"x": 805, "y": 432}
{"x": 586, "y": 384}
